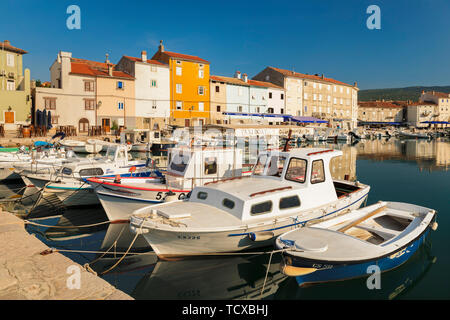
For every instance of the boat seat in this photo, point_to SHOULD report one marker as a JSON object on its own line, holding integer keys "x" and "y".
{"x": 399, "y": 213}
{"x": 382, "y": 232}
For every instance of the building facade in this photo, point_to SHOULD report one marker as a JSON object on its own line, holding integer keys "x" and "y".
{"x": 442, "y": 106}
{"x": 316, "y": 96}
{"x": 152, "y": 90}
{"x": 87, "y": 93}
{"x": 419, "y": 112}
{"x": 15, "y": 92}
{"x": 218, "y": 99}
{"x": 189, "y": 87}
{"x": 380, "y": 111}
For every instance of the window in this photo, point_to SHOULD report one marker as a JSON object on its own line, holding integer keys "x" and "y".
{"x": 120, "y": 105}
{"x": 201, "y": 106}
{"x": 329, "y": 87}
{"x": 282, "y": 111}
{"x": 153, "y": 83}
{"x": 258, "y": 109}
{"x": 218, "y": 108}
{"x": 178, "y": 71}
{"x": 10, "y": 85}
{"x": 258, "y": 169}
{"x": 120, "y": 85}
{"x": 276, "y": 165}
{"x": 306, "y": 96}
{"x": 296, "y": 170}
{"x": 10, "y": 60}
{"x": 320, "y": 86}
{"x": 179, "y": 105}
{"x": 89, "y": 86}
{"x": 240, "y": 109}
{"x": 261, "y": 208}
{"x": 179, "y": 88}
{"x": 153, "y": 104}
{"x": 91, "y": 172}
{"x": 289, "y": 202}
{"x": 240, "y": 91}
{"x": 314, "y": 97}
{"x": 178, "y": 62}
{"x": 55, "y": 119}
{"x": 89, "y": 104}
{"x": 270, "y": 110}
{"x": 179, "y": 161}
{"x": 201, "y": 73}
{"x": 202, "y": 195}
{"x": 318, "y": 172}
{"x": 270, "y": 95}
{"x": 210, "y": 165}
{"x": 314, "y": 85}
{"x": 228, "y": 203}
{"x": 201, "y": 90}
{"x": 282, "y": 96}
{"x": 341, "y": 89}
{"x": 50, "y": 103}
{"x": 217, "y": 89}
{"x": 153, "y": 68}
{"x": 320, "y": 97}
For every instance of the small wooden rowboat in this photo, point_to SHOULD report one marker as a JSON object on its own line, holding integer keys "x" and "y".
{"x": 385, "y": 234}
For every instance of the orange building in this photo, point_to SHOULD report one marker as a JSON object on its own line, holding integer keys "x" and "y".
{"x": 189, "y": 87}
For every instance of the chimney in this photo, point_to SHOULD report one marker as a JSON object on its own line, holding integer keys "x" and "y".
{"x": 110, "y": 69}
{"x": 7, "y": 43}
{"x": 144, "y": 56}
{"x": 323, "y": 76}
{"x": 161, "y": 47}
{"x": 237, "y": 74}
{"x": 356, "y": 84}
{"x": 245, "y": 77}
{"x": 107, "y": 58}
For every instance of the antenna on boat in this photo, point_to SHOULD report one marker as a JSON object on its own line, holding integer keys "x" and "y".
{"x": 286, "y": 145}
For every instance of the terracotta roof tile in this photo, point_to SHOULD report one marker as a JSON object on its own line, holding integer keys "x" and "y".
{"x": 148, "y": 61}
{"x": 438, "y": 94}
{"x": 241, "y": 82}
{"x": 90, "y": 70}
{"x": 184, "y": 56}
{"x": 7, "y": 46}
{"x": 308, "y": 76}
{"x": 377, "y": 104}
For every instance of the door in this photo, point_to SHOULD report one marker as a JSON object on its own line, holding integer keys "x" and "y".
{"x": 83, "y": 125}
{"x": 106, "y": 125}
{"x": 186, "y": 122}
{"x": 9, "y": 117}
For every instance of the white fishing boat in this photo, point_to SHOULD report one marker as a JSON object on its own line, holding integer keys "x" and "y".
{"x": 385, "y": 235}
{"x": 89, "y": 146}
{"x": 285, "y": 191}
{"x": 188, "y": 167}
{"x": 69, "y": 185}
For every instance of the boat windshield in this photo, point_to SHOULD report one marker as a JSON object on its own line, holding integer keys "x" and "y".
{"x": 110, "y": 154}
{"x": 258, "y": 169}
{"x": 275, "y": 166}
{"x": 179, "y": 161}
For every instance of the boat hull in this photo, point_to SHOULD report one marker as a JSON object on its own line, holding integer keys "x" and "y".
{"x": 170, "y": 243}
{"x": 329, "y": 272}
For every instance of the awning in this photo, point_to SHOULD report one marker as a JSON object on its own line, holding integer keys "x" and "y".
{"x": 246, "y": 114}
{"x": 304, "y": 119}
{"x": 379, "y": 122}
{"x": 436, "y": 122}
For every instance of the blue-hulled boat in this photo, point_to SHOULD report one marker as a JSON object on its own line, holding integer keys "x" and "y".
{"x": 385, "y": 234}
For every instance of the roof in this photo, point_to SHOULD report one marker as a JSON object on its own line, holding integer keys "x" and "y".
{"x": 423, "y": 103}
{"x": 148, "y": 61}
{"x": 438, "y": 94}
{"x": 184, "y": 56}
{"x": 95, "y": 69}
{"x": 6, "y": 45}
{"x": 241, "y": 82}
{"x": 294, "y": 74}
{"x": 378, "y": 104}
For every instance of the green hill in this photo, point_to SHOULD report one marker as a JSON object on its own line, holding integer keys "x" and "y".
{"x": 408, "y": 93}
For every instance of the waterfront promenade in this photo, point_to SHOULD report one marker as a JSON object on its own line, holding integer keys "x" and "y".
{"x": 26, "y": 274}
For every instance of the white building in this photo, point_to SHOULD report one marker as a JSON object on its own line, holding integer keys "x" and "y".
{"x": 71, "y": 98}
{"x": 152, "y": 90}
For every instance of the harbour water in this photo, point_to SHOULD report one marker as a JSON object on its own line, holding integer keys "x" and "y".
{"x": 413, "y": 171}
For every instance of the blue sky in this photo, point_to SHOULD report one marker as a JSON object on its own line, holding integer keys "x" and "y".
{"x": 329, "y": 37}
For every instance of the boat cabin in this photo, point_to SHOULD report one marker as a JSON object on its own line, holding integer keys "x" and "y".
{"x": 281, "y": 183}
{"x": 116, "y": 157}
{"x": 189, "y": 167}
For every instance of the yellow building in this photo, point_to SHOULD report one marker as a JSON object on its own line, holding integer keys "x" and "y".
{"x": 189, "y": 87}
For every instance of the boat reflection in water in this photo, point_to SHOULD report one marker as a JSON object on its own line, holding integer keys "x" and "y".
{"x": 226, "y": 277}
{"x": 394, "y": 284}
